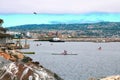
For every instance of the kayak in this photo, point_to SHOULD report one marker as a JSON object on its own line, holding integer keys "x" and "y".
{"x": 63, "y": 54}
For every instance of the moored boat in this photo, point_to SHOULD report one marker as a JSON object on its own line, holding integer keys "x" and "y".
{"x": 56, "y": 40}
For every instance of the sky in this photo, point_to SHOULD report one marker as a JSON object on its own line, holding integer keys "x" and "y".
{"x": 59, "y": 6}
{"x": 22, "y": 19}
{"x": 20, "y": 12}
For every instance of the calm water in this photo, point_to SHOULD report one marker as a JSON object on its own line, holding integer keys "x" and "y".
{"x": 90, "y": 62}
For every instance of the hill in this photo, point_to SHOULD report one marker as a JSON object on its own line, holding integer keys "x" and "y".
{"x": 85, "y": 26}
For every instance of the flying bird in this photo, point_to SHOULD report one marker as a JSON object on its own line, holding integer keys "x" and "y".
{"x": 34, "y": 13}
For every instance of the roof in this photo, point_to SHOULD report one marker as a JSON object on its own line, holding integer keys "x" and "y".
{"x": 5, "y": 35}
{"x": 3, "y": 29}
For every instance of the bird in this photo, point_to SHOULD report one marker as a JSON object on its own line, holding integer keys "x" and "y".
{"x": 34, "y": 13}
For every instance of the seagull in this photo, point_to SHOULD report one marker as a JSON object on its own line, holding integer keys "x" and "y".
{"x": 34, "y": 13}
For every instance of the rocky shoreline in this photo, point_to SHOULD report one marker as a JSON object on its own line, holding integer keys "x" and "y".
{"x": 15, "y": 66}
{"x": 113, "y": 77}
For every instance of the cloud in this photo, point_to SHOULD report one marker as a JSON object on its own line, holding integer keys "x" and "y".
{"x": 59, "y": 6}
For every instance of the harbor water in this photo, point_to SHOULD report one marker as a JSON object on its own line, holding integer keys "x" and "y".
{"x": 90, "y": 61}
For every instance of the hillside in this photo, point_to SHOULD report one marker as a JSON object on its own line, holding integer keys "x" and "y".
{"x": 85, "y": 26}
{"x": 101, "y": 29}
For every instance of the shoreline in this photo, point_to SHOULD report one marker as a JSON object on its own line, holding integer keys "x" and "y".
{"x": 93, "y": 40}
{"x": 85, "y": 40}
{"x": 15, "y": 65}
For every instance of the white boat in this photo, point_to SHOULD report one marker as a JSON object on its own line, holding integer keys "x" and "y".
{"x": 64, "y": 53}
{"x": 56, "y": 40}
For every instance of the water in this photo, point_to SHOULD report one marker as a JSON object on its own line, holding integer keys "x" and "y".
{"x": 90, "y": 62}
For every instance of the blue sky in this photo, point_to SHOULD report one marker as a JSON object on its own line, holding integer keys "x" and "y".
{"x": 20, "y": 12}
{"x": 21, "y": 19}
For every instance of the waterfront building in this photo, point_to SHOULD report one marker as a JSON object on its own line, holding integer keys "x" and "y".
{"x": 4, "y": 37}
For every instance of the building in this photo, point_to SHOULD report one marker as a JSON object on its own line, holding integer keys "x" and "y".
{"x": 4, "y": 37}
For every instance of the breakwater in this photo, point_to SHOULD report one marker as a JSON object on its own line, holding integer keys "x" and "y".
{"x": 92, "y": 39}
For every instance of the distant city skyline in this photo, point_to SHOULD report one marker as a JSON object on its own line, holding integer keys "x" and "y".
{"x": 59, "y": 6}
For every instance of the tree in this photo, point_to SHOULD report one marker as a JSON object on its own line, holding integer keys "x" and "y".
{"x": 1, "y": 21}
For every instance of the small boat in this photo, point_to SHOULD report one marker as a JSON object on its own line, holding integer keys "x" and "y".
{"x": 99, "y": 48}
{"x": 56, "y": 40}
{"x": 63, "y": 54}
{"x": 28, "y": 52}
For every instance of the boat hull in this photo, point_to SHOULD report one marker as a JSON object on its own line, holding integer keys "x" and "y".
{"x": 63, "y": 54}
{"x": 56, "y": 41}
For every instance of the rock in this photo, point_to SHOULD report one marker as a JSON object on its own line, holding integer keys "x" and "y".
{"x": 23, "y": 68}
{"x": 117, "y": 77}
{"x": 21, "y": 71}
{"x": 3, "y": 61}
{"x": 6, "y": 56}
{"x": 20, "y": 56}
{"x": 92, "y": 79}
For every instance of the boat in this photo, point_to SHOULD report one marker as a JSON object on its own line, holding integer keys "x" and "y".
{"x": 63, "y": 54}
{"x": 56, "y": 40}
{"x": 28, "y": 52}
{"x": 99, "y": 48}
